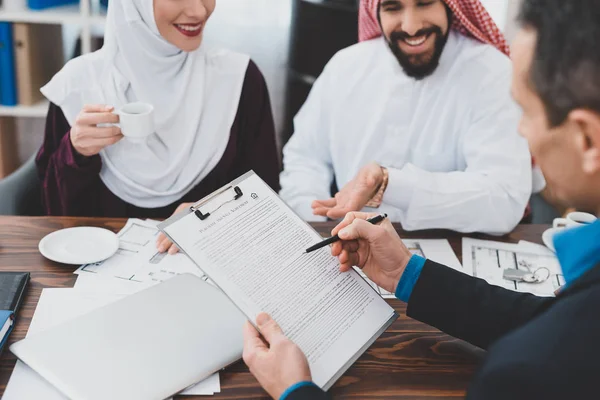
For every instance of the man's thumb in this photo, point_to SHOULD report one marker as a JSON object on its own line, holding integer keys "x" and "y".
{"x": 268, "y": 327}
{"x": 358, "y": 229}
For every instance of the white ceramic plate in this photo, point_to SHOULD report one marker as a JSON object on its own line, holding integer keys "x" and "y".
{"x": 548, "y": 236}
{"x": 82, "y": 245}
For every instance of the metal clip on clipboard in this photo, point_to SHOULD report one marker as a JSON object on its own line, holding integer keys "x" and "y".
{"x": 196, "y": 207}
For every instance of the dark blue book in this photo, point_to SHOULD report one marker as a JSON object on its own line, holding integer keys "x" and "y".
{"x": 8, "y": 81}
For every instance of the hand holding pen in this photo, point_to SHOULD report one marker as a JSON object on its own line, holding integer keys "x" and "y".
{"x": 376, "y": 249}
{"x": 375, "y": 220}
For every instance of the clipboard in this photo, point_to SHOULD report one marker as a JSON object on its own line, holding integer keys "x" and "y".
{"x": 229, "y": 195}
{"x": 204, "y": 207}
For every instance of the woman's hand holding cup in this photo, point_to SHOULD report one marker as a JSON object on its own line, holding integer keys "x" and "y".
{"x": 87, "y": 137}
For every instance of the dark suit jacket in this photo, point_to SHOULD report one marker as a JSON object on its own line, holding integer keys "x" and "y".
{"x": 538, "y": 348}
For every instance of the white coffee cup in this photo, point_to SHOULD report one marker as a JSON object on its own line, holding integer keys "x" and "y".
{"x": 136, "y": 121}
{"x": 574, "y": 219}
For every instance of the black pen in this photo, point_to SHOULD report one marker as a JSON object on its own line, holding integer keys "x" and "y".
{"x": 333, "y": 239}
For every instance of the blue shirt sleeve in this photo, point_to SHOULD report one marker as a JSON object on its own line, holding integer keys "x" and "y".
{"x": 289, "y": 390}
{"x": 410, "y": 277}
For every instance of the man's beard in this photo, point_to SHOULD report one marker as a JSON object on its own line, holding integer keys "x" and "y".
{"x": 417, "y": 66}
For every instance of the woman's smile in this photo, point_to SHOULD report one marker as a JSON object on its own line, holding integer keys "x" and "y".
{"x": 190, "y": 30}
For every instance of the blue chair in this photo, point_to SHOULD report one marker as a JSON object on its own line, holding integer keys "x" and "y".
{"x": 20, "y": 192}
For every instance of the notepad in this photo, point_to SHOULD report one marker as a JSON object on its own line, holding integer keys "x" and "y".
{"x": 57, "y": 306}
{"x": 151, "y": 344}
{"x": 251, "y": 245}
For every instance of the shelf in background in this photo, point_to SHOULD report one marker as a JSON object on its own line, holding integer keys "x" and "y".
{"x": 38, "y": 110}
{"x": 68, "y": 14}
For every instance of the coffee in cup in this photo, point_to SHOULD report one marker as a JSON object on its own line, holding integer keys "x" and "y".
{"x": 574, "y": 219}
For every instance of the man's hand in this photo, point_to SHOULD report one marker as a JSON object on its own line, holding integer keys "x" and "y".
{"x": 353, "y": 196}
{"x": 276, "y": 362}
{"x": 163, "y": 243}
{"x": 376, "y": 249}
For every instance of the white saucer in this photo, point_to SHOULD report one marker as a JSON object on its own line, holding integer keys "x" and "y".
{"x": 548, "y": 236}
{"x": 82, "y": 245}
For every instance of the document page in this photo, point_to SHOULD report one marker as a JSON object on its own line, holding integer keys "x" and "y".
{"x": 488, "y": 259}
{"x": 138, "y": 260}
{"x": 253, "y": 249}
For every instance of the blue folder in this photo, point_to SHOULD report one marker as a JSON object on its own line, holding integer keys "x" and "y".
{"x": 8, "y": 81}
{"x": 43, "y": 4}
{"x": 7, "y": 321}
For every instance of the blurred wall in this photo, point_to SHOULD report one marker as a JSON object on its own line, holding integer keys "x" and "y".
{"x": 261, "y": 29}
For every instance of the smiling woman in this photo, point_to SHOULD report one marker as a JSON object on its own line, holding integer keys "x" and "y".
{"x": 182, "y": 23}
{"x": 212, "y": 117}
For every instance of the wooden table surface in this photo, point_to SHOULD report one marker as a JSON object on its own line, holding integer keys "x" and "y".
{"x": 410, "y": 360}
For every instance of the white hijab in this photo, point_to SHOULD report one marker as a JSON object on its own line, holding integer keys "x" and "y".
{"x": 195, "y": 97}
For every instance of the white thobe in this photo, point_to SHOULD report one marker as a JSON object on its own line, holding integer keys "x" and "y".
{"x": 449, "y": 141}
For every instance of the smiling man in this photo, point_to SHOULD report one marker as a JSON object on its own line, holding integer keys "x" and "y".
{"x": 416, "y": 120}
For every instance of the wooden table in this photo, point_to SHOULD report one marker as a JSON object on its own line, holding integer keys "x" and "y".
{"x": 410, "y": 360}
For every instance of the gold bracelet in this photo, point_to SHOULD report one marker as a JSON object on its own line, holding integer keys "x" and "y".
{"x": 377, "y": 198}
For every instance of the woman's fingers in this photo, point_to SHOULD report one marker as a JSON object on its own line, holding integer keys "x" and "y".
{"x": 173, "y": 249}
{"x": 92, "y": 119}
{"x": 163, "y": 243}
{"x": 102, "y": 132}
{"x": 93, "y": 108}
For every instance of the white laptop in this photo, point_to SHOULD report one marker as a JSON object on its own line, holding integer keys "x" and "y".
{"x": 150, "y": 345}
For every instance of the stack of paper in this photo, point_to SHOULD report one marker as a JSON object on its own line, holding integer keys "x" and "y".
{"x": 488, "y": 260}
{"x": 135, "y": 267}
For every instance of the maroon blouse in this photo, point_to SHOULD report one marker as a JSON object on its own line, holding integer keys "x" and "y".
{"x": 71, "y": 184}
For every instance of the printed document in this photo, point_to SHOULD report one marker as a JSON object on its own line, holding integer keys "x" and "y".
{"x": 253, "y": 249}
{"x": 488, "y": 260}
{"x": 138, "y": 259}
